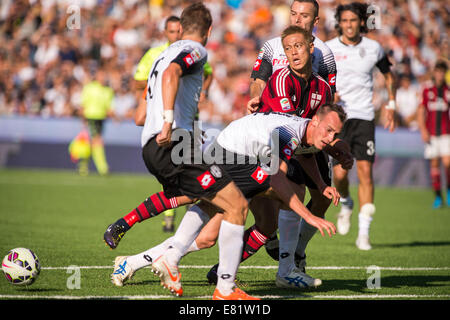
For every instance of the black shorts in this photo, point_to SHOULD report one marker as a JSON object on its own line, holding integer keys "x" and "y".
{"x": 297, "y": 174}
{"x": 188, "y": 179}
{"x": 360, "y": 135}
{"x": 250, "y": 178}
{"x": 95, "y": 127}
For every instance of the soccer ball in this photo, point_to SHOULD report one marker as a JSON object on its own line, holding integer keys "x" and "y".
{"x": 21, "y": 266}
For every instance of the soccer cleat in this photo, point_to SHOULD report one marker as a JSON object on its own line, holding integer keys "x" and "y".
{"x": 237, "y": 294}
{"x": 273, "y": 247}
{"x": 363, "y": 243}
{"x": 169, "y": 275}
{"x": 343, "y": 220}
{"x": 438, "y": 202}
{"x": 113, "y": 234}
{"x": 122, "y": 271}
{"x": 212, "y": 274}
{"x": 300, "y": 262}
{"x": 297, "y": 280}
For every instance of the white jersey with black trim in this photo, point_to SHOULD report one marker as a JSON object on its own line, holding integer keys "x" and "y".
{"x": 354, "y": 81}
{"x": 191, "y": 56}
{"x": 272, "y": 53}
{"x": 252, "y": 135}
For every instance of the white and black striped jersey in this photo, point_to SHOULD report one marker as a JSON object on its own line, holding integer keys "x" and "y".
{"x": 354, "y": 81}
{"x": 271, "y": 57}
{"x": 256, "y": 134}
{"x": 191, "y": 56}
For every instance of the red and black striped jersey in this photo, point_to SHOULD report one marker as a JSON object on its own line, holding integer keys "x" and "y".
{"x": 436, "y": 102}
{"x": 286, "y": 92}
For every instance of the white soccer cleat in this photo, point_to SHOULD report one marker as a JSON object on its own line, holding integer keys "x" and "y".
{"x": 297, "y": 280}
{"x": 363, "y": 243}
{"x": 169, "y": 275}
{"x": 122, "y": 271}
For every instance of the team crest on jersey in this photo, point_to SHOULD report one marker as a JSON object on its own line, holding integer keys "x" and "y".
{"x": 315, "y": 100}
{"x": 206, "y": 180}
{"x": 259, "y": 175}
{"x": 285, "y": 104}
{"x": 192, "y": 57}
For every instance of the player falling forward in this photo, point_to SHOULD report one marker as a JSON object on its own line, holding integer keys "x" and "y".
{"x": 283, "y": 136}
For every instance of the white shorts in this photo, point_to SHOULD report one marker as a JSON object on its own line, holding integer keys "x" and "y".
{"x": 438, "y": 147}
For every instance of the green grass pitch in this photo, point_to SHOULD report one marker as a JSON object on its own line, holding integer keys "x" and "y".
{"x": 62, "y": 216}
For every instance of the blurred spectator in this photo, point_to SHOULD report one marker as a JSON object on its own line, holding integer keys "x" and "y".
{"x": 407, "y": 99}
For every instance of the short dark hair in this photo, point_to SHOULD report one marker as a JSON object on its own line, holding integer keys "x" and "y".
{"x": 296, "y": 29}
{"x": 315, "y": 4}
{"x": 171, "y": 19}
{"x": 329, "y": 107}
{"x": 441, "y": 65}
{"x": 196, "y": 18}
{"x": 358, "y": 8}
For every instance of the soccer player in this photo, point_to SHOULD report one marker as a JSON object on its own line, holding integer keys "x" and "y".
{"x": 434, "y": 124}
{"x": 356, "y": 57}
{"x": 273, "y": 137}
{"x": 174, "y": 86}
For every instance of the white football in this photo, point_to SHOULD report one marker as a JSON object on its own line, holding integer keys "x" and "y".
{"x": 21, "y": 266}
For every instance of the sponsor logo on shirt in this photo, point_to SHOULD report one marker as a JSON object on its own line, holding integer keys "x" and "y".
{"x": 332, "y": 79}
{"x": 257, "y": 65}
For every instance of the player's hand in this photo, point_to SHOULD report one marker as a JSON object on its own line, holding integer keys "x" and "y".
{"x": 340, "y": 150}
{"x": 425, "y": 136}
{"x": 390, "y": 120}
{"x": 163, "y": 139}
{"x": 322, "y": 225}
{"x": 253, "y": 105}
{"x": 332, "y": 193}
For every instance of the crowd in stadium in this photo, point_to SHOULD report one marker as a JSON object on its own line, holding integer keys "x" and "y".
{"x": 49, "y": 52}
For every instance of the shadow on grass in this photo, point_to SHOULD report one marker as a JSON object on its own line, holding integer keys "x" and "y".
{"x": 411, "y": 284}
{"x": 413, "y": 244}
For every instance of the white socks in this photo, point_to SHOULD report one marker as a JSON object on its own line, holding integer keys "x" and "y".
{"x": 146, "y": 258}
{"x": 230, "y": 251}
{"x": 176, "y": 246}
{"x": 289, "y": 227}
{"x": 307, "y": 231}
{"x": 365, "y": 218}
{"x": 187, "y": 231}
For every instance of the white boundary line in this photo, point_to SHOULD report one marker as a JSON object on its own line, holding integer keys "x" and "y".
{"x": 274, "y": 267}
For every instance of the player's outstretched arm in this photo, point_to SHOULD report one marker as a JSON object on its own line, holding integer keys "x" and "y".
{"x": 309, "y": 164}
{"x": 282, "y": 186}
